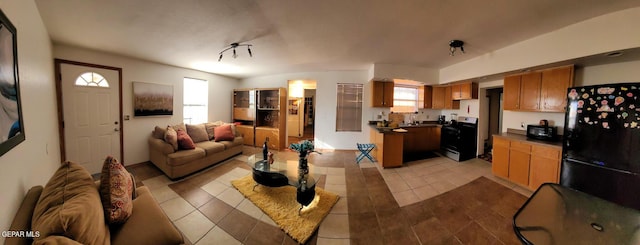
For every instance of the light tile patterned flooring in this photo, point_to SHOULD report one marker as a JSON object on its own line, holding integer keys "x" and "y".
{"x": 206, "y": 206}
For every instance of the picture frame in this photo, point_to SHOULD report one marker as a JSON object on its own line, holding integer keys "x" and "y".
{"x": 152, "y": 99}
{"x": 12, "y": 130}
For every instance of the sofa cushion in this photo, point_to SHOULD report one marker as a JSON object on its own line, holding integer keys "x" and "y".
{"x": 223, "y": 133}
{"x": 185, "y": 156}
{"x": 116, "y": 191}
{"x": 171, "y": 137}
{"x": 180, "y": 126}
{"x": 184, "y": 141}
{"x": 231, "y": 143}
{"x": 211, "y": 147}
{"x": 198, "y": 132}
{"x": 57, "y": 240}
{"x": 158, "y": 132}
{"x": 70, "y": 206}
{"x": 148, "y": 219}
{"x": 210, "y": 127}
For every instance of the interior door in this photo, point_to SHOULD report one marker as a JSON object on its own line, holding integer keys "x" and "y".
{"x": 91, "y": 125}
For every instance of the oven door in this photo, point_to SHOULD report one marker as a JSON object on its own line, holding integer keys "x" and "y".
{"x": 450, "y": 138}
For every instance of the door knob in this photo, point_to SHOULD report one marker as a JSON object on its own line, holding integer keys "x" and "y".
{"x": 116, "y": 129}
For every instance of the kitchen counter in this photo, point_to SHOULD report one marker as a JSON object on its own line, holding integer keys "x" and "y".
{"x": 512, "y": 136}
{"x": 390, "y": 129}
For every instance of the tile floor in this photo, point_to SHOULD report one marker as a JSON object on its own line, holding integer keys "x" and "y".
{"x": 377, "y": 206}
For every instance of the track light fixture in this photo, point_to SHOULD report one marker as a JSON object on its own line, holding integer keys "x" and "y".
{"x": 454, "y": 44}
{"x": 234, "y": 46}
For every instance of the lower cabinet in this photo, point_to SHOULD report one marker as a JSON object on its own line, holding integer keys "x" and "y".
{"x": 247, "y": 133}
{"x": 388, "y": 151}
{"x": 526, "y": 164}
{"x": 264, "y": 133}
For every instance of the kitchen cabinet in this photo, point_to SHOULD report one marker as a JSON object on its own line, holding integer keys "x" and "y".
{"x": 425, "y": 97}
{"x": 500, "y": 162}
{"x": 421, "y": 139}
{"x": 538, "y": 90}
{"x": 381, "y": 94}
{"x": 442, "y": 98}
{"x": 545, "y": 166}
{"x": 553, "y": 89}
{"x": 464, "y": 91}
{"x": 388, "y": 150}
{"x": 247, "y": 133}
{"x": 524, "y": 163}
{"x": 519, "y": 157}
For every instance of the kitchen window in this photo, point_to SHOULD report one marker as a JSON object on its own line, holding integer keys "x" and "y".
{"x": 405, "y": 99}
{"x": 349, "y": 107}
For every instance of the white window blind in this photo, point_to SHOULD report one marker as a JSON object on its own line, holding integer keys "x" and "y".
{"x": 405, "y": 99}
{"x": 349, "y": 107}
{"x": 196, "y": 97}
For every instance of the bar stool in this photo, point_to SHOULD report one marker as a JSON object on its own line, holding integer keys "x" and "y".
{"x": 365, "y": 149}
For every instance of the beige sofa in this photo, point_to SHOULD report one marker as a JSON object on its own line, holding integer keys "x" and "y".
{"x": 76, "y": 216}
{"x": 179, "y": 163}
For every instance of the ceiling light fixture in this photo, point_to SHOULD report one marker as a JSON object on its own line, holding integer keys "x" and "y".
{"x": 454, "y": 44}
{"x": 234, "y": 46}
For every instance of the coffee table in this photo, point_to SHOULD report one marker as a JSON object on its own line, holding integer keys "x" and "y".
{"x": 283, "y": 173}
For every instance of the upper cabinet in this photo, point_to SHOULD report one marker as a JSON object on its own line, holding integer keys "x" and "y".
{"x": 425, "y": 97}
{"x": 464, "y": 91}
{"x": 539, "y": 90}
{"x": 382, "y": 94}
{"x": 442, "y": 98}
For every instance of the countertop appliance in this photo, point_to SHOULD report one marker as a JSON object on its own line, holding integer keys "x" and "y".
{"x": 601, "y": 144}
{"x": 441, "y": 119}
{"x": 458, "y": 140}
{"x": 542, "y": 132}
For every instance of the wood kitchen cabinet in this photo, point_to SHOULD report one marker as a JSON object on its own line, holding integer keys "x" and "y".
{"x": 425, "y": 97}
{"x": 388, "y": 150}
{"x": 500, "y": 162}
{"x": 442, "y": 98}
{"x": 545, "y": 166}
{"x": 539, "y": 90}
{"x": 519, "y": 157}
{"x": 421, "y": 139}
{"x": 527, "y": 164}
{"x": 553, "y": 88}
{"x": 381, "y": 94}
{"x": 464, "y": 91}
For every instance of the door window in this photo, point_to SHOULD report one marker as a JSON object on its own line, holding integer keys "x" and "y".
{"x": 92, "y": 79}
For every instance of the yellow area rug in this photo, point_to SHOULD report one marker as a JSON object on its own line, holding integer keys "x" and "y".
{"x": 281, "y": 205}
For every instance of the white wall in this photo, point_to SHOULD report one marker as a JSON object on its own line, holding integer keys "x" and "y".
{"x": 391, "y": 71}
{"x": 137, "y": 130}
{"x": 614, "y": 31}
{"x": 609, "y": 73}
{"x": 33, "y": 161}
{"x": 326, "y": 136}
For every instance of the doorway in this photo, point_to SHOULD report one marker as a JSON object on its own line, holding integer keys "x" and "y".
{"x": 494, "y": 97}
{"x": 90, "y": 105}
{"x": 301, "y": 103}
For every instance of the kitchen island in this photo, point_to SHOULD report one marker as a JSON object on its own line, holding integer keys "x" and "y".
{"x": 391, "y": 146}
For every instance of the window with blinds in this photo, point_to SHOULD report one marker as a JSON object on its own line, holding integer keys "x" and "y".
{"x": 349, "y": 107}
{"x": 405, "y": 99}
{"x": 195, "y": 101}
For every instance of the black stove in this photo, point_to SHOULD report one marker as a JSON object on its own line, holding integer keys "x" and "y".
{"x": 459, "y": 138}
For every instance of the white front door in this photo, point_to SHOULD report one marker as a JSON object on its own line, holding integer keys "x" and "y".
{"x": 90, "y": 98}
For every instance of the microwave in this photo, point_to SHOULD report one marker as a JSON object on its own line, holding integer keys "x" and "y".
{"x": 542, "y": 132}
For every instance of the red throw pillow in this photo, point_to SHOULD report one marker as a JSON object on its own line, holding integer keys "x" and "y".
{"x": 223, "y": 133}
{"x": 184, "y": 141}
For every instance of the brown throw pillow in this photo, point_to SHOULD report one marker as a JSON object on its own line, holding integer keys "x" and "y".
{"x": 198, "y": 133}
{"x": 210, "y": 127}
{"x": 159, "y": 132}
{"x": 116, "y": 191}
{"x": 70, "y": 206}
{"x": 171, "y": 137}
{"x": 184, "y": 141}
{"x": 224, "y": 133}
{"x": 180, "y": 126}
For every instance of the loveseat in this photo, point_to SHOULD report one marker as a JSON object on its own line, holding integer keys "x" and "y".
{"x": 198, "y": 146}
{"x": 68, "y": 210}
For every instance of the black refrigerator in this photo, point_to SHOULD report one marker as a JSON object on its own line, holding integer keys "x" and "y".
{"x": 601, "y": 148}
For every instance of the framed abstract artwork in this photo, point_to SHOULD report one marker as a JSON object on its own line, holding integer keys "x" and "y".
{"x": 152, "y": 99}
{"x": 11, "y": 122}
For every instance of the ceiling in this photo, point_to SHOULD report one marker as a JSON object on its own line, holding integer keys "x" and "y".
{"x": 305, "y": 36}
